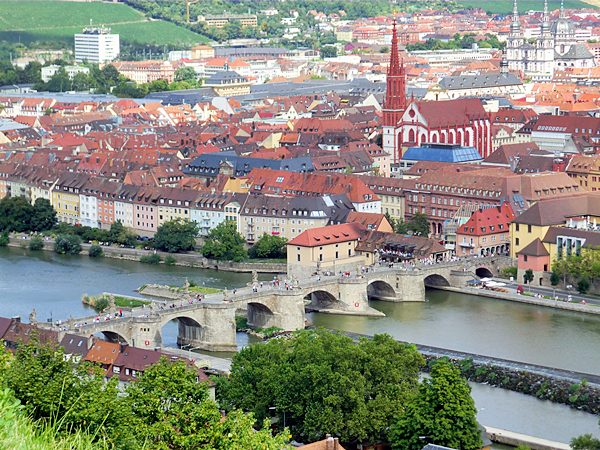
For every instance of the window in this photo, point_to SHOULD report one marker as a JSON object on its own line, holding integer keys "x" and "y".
{"x": 525, "y": 258}
{"x": 516, "y": 241}
{"x": 529, "y": 228}
{"x": 516, "y": 227}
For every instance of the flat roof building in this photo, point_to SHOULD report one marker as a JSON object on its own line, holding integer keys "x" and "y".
{"x": 96, "y": 45}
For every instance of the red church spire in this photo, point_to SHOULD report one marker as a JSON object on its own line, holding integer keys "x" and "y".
{"x": 395, "y": 94}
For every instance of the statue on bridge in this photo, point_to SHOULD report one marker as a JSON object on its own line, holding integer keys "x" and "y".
{"x": 254, "y": 276}
{"x": 111, "y": 303}
{"x": 186, "y": 285}
{"x": 33, "y": 317}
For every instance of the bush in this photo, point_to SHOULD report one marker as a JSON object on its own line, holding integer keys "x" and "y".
{"x": 508, "y": 272}
{"x": 36, "y": 244}
{"x": 554, "y": 279}
{"x": 583, "y": 285}
{"x": 4, "y": 239}
{"x": 95, "y": 251}
{"x": 170, "y": 260}
{"x": 101, "y": 304}
{"x": 67, "y": 244}
{"x": 151, "y": 259}
{"x": 241, "y": 323}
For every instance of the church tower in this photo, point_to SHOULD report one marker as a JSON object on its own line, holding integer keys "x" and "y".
{"x": 515, "y": 42}
{"x": 395, "y": 100}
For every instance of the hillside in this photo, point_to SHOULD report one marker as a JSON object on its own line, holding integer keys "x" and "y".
{"x": 53, "y": 20}
{"x": 505, "y": 6}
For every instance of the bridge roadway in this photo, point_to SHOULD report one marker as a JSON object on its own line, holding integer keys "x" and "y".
{"x": 210, "y": 324}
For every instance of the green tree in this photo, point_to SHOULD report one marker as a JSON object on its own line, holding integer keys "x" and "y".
{"x": 554, "y": 278}
{"x": 170, "y": 409}
{"x": 324, "y": 382}
{"x": 328, "y": 51}
{"x": 67, "y": 244}
{"x": 186, "y": 74}
{"x": 442, "y": 413}
{"x": 80, "y": 82}
{"x": 43, "y": 216}
{"x": 419, "y": 225}
{"x": 51, "y": 386}
{"x": 176, "y": 236}
{"x": 528, "y": 276}
{"x": 4, "y": 239}
{"x": 59, "y": 82}
{"x": 583, "y": 285}
{"x": 119, "y": 234}
{"x": 15, "y": 214}
{"x": 585, "y": 442}
{"x": 224, "y": 243}
{"x": 95, "y": 251}
{"x": 269, "y": 246}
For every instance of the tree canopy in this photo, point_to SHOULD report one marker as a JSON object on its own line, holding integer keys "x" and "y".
{"x": 176, "y": 236}
{"x": 269, "y": 246}
{"x": 17, "y": 214}
{"x": 224, "y": 243}
{"x": 323, "y": 382}
{"x": 442, "y": 413}
{"x": 166, "y": 408}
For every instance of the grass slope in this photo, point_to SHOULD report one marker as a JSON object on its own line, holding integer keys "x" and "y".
{"x": 18, "y": 432}
{"x": 505, "y": 6}
{"x": 50, "y": 20}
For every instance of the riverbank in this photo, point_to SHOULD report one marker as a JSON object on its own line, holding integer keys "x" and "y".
{"x": 525, "y": 298}
{"x": 193, "y": 260}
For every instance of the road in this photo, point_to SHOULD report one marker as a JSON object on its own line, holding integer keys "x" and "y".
{"x": 549, "y": 291}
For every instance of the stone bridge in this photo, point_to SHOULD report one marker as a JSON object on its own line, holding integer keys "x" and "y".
{"x": 210, "y": 324}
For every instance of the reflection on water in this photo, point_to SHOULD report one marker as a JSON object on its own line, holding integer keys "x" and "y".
{"x": 54, "y": 284}
{"x": 486, "y": 326}
{"x": 528, "y": 415}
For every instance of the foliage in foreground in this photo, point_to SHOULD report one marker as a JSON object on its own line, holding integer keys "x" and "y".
{"x": 18, "y": 432}
{"x": 165, "y": 409}
{"x": 323, "y": 382}
{"x": 442, "y": 413}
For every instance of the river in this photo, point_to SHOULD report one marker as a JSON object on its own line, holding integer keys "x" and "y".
{"x": 54, "y": 284}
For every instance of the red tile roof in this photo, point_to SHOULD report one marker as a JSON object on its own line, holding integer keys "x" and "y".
{"x": 488, "y": 221}
{"x": 332, "y": 234}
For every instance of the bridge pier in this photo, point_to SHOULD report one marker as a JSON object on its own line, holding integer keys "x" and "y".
{"x": 211, "y": 328}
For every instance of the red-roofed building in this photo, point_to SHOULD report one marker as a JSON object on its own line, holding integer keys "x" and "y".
{"x": 330, "y": 248}
{"x": 462, "y": 121}
{"x": 486, "y": 233}
{"x": 296, "y": 184}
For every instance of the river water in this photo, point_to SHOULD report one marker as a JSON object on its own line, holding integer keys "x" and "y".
{"x": 54, "y": 284}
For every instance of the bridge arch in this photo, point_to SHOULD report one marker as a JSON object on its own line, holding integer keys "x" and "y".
{"x": 436, "y": 280}
{"x": 259, "y": 315}
{"x": 381, "y": 290}
{"x": 189, "y": 330}
{"x": 483, "y": 272}
{"x": 323, "y": 299}
{"x": 111, "y": 336}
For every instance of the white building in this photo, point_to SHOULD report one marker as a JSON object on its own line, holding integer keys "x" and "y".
{"x": 49, "y": 71}
{"x": 553, "y": 48}
{"x": 88, "y": 210}
{"x": 97, "y": 45}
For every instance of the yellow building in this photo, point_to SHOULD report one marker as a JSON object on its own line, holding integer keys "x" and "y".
{"x": 65, "y": 197}
{"x": 586, "y": 171}
{"x": 227, "y": 83}
{"x": 175, "y": 204}
{"x": 330, "y": 248}
{"x": 202, "y": 52}
{"x": 535, "y": 222}
{"x": 219, "y": 21}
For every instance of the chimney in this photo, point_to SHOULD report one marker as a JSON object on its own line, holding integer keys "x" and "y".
{"x": 330, "y": 443}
